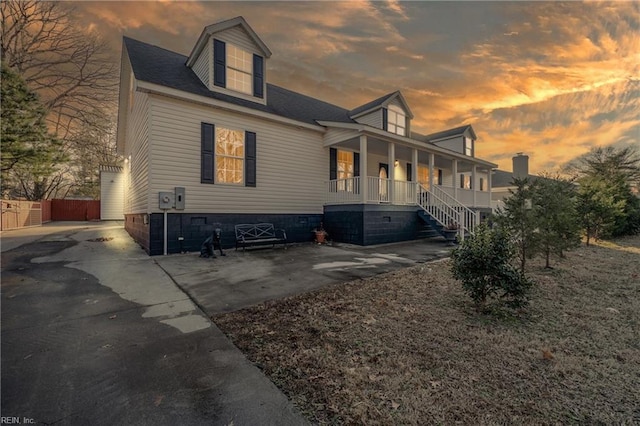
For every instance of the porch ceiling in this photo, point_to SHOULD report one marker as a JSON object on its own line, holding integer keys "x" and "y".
{"x": 403, "y": 153}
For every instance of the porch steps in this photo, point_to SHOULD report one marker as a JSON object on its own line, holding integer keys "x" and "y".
{"x": 426, "y": 231}
{"x": 435, "y": 228}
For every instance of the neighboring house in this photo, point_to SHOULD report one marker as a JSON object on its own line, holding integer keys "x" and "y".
{"x": 246, "y": 151}
{"x": 502, "y": 181}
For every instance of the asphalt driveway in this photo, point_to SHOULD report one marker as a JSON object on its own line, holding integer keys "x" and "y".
{"x": 94, "y": 331}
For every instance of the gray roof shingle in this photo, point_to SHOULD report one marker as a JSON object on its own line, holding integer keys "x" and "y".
{"x": 372, "y": 104}
{"x": 447, "y": 133}
{"x": 166, "y": 68}
{"x": 502, "y": 179}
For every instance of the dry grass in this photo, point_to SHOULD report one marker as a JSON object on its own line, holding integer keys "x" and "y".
{"x": 408, "y": 348}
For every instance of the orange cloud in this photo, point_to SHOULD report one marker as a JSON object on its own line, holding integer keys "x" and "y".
{"x": 546, "y": 78}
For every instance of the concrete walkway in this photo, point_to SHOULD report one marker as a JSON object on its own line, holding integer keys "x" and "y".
{"x": 246, "y": 278}
{"x": 94, "y": 331}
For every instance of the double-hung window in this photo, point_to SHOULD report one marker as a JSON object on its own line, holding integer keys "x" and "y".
{"x": 239, "y": 68}
{"x": 229, "y": 162}
{"x": 396, "y": 120}
{"x": 345, "y": 170}
{"x": 423, "y": 176}
{"x": 468, "y": 147}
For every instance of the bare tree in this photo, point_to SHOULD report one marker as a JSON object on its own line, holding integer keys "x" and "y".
{"x": 74, "y": 73}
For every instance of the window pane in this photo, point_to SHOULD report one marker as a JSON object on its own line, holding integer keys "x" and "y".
{"x": 239, "y": 59}
{"x": 423, "y": 175}
{"x": 239, "y": 81}
{"x": 229, "y": 155}
{"x": 396, "y": 120}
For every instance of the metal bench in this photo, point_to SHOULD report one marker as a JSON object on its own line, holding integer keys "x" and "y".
{"x": 259, "y": 234}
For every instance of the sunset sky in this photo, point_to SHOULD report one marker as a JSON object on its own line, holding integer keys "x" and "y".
{"x": 548, "y": 79}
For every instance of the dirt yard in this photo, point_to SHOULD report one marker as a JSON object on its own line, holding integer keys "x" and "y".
{"x": 408, "y": 348}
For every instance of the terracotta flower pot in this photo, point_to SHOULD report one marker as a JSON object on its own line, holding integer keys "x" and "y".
{"x": 320, "y": 237}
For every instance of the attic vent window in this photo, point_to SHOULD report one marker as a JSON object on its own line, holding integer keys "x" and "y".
{"x": 239, "y": 67}
{"x": 396, "y": 120}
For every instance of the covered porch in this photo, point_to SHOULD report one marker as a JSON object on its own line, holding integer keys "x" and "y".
{"x": 389, "y": 179}
{"x": 374, "y": 166}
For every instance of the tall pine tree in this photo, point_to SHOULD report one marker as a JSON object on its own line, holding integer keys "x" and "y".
{"x": 27, "y": 147}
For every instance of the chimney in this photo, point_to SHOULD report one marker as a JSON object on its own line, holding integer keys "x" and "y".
{"x": 520, "y": 165}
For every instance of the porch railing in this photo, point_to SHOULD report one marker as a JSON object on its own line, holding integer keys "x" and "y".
{"x": 443, "y": 207}
{"x": 466, "y": 218}
{"x": 379, "y": 190}
{"x": 344, "y": 191}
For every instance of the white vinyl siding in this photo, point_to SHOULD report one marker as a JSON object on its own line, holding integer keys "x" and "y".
{"x": 485, "y": 181}
{"x": 237, "y": 36}
{"x": 202, "y": 66}
{"x": 373, "y": 119}
{"x": 292, "y": 164}
{"x": 455, "y": 144}
{"x": 333, "y": 135}
{"x": 111, "y": 195}
{"x": 137, "y": 156}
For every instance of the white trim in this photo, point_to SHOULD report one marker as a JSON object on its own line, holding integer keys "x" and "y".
{"x": 221, "y": 26}
{"x": 385, "y": 104}
{"x": 402, "y": 140}
{"x": 144, "y": 86}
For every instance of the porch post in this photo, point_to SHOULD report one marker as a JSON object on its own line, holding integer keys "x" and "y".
{"x": 473, "y": 184}
{"x": 489, "y": 173}
{"x": 454, "y": 177}
{"x": 392, "y": 171}
{"x": 364, "y": 181}
{"x": 414, "y": 176}
{"x": 431, "y": 166}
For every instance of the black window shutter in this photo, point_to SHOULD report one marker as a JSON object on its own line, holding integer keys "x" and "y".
{"x": 333, "y": 164}
{"x": 219, "y": 63}
{"x": 409, "y": 174}
{"x": 207, "y": 132}
{"x": 461, "y": 181}
{"x": 356, "y": 164}
{"x": 439, "y": 176}
{"x": 258, "y": 76}
{"x": 481, "y": 184}
{"x": 250, "y": 159}
{"x": 385, "y": 119}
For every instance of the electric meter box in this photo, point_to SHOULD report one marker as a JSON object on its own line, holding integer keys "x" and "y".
{"x": 167, "y": 200}
{"x": 180, "y": 192}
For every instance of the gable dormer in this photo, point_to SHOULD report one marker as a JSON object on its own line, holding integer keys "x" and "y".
{"x": 461, "y": 140}
{"x": 389, "y": 112}
{"x": 230, "y": 58}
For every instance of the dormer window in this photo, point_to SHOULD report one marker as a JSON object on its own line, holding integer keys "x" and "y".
{"x": 468, "y": 146}
{"x": 237, "y": 69}
{"x": 239, "y": 65}
{"x": 396, "y": 120}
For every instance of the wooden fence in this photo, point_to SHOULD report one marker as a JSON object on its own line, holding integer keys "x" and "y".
{"x": 75, "y": 210}
{"x": 20, "y": 214}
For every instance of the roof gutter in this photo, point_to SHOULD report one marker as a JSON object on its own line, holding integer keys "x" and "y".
{"x": 144, "y": 86}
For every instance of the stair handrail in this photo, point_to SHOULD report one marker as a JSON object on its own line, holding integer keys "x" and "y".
{"x": 445, "y": 214}
{"x": 471, "y": 218}
{"x": 437, "y": 208}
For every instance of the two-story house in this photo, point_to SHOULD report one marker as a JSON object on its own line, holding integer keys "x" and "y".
{"x": 241, "y": 150}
